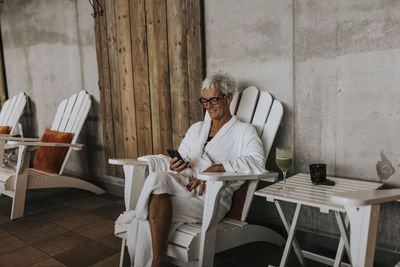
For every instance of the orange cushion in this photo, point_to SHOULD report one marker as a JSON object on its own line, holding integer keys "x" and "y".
{"x": 238, "y": 199}
{"x": 50, "y": 159}
{"x": 5, "y": 129}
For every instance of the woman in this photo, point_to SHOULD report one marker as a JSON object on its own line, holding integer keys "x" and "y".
{"x": 175, "y": 196}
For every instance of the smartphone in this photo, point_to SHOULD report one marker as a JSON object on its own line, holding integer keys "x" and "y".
{"x": 175, "y": 154}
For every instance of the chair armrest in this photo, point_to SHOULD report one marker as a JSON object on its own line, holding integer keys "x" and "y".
{"x": 271, "y": 177}
{"x": 234, "y": 176}
{"x": 366, "y": 197}
{"x": 134, "y": 162}
{"x": 7, "y": 137}
{"x": 75, "y": 146}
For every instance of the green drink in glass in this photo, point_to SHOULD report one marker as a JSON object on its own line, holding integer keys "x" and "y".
{"x": 283, "y": 161}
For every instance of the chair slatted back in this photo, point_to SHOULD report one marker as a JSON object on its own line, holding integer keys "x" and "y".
{"x": 59, "y": 115}
{"x": 271, "y": 126}
{"x": 265, "y": 114}
{"x": 67, "y": 113}
{"x": 262, "y": 112}
{"x": 4, "y": 111}
{"x": 79, "y": 113}
{"x": 18, "y": 109}
{"x": 247, "y": 104}
{"x": 12, "y": 110}
{"x": 70, "y": 117}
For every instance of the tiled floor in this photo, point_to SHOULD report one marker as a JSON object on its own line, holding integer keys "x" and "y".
{"x": 61, "y": 227}
{"x": 70, "y": 227}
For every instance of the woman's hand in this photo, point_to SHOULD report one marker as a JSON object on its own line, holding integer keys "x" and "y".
{"x": 177, "y": 165}
{"x": 194, "y": 183}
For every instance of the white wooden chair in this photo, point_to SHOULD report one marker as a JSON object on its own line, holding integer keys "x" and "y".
{"x": 70, "y": 117}
{"x": 9, "y": 116}
{"x": 362, "y": 209}
{"x": 11, "y": 112}
{"x": 195, "y": 244}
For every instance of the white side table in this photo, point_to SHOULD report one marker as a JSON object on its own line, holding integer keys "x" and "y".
{"x": 303, "y": 192}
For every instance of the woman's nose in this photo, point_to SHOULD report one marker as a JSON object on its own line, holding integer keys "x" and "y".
{"x": 209, "y": 104}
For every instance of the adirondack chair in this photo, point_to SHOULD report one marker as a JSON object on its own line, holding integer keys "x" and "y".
{"x": 195, "y": 244}
{"x": 9, "y": 116}
{"x": 362, "y": 209}
{"x": 12, "y": 111}
{"x": 70, "y": 117}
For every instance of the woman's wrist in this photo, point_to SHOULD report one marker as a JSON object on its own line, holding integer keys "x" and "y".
{"x": 217, "y": 168}
{"x": 221, "y": 168}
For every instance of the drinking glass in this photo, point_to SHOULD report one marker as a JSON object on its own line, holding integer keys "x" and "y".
{"x": 283, "y": 161}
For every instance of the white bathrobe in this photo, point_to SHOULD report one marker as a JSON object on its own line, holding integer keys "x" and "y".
{"x": 236, "y": 145}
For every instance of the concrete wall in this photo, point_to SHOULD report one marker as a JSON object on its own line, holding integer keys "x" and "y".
{"x": 347, "y": 87}
{"x": 336, "y": 67}
{"x": 50, "y": 54}
{"x": 252, "y": 40}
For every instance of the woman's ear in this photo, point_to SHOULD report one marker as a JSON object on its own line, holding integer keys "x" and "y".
{"x": 229, "y": 97}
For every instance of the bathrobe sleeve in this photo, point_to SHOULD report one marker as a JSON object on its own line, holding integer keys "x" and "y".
{"x": 252, "y": 157}
{"x": 187, "y": 142}
{"x": 191, "y": 149}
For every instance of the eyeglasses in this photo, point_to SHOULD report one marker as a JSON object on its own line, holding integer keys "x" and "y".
{"x": 212, "y": 100}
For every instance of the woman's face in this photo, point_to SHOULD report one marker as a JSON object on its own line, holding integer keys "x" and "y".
{"x": 219, "y": 110}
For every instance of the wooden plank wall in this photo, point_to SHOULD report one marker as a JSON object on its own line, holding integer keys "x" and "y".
{"x": 150, "y": 64}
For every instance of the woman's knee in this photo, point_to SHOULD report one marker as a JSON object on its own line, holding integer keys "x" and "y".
{"x": 158, "y": 179}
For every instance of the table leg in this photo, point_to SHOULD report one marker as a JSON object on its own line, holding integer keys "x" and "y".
{"x": 344, "y": 241}
{"x": 290, "y": 229}
{"x": 363, "y": 229}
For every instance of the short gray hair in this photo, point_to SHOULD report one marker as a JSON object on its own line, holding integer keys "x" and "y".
{"x": 218, "y": 80}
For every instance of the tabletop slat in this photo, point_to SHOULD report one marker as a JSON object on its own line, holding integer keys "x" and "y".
{"x": 301, "y": 190}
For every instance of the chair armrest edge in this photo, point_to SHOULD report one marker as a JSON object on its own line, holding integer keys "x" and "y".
{"x": 227, "y": 176}
{"x": 7, "y": 137}
{"x": 271, "y": 177}
{"x": 77, "y": 146}
{"x": 134, "y": 162}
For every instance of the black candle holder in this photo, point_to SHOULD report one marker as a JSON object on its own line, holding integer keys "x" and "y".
{"x": 318, "y": 173}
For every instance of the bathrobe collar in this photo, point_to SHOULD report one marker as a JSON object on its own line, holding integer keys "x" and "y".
{"x": 219, "y": 134}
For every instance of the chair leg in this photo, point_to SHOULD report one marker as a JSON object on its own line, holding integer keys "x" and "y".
{"x": 209, "y": 227}
{"x": 124, "y": 259}
{"x": 18, "y": 204}
{"x": 37, "y": 182}
{"x": 2, "y": 144}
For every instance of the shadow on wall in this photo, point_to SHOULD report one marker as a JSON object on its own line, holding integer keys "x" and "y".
{"x": 94, "y": 139}
{"x": 28, "y": 119}
{"x": 385, "y": 169}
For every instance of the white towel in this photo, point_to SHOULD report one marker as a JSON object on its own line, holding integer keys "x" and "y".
{"x": 158, "y": 162}
{"x": 122, "y": 223}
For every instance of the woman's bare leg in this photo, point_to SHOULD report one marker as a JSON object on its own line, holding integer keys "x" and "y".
{"x": 160, "y": 216}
